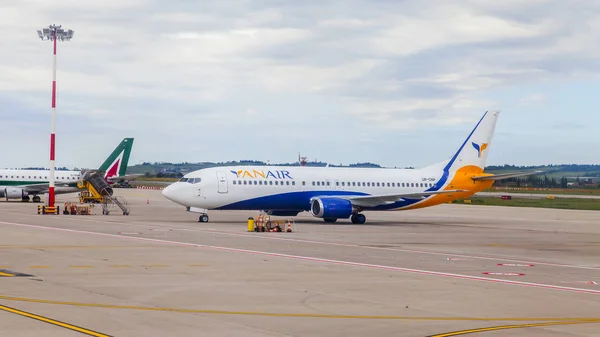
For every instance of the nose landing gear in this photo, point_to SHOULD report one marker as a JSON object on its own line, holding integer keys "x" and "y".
{"x": 203, "y": 218}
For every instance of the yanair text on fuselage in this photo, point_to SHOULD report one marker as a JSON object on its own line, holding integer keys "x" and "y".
{"x": 262, "y": 174}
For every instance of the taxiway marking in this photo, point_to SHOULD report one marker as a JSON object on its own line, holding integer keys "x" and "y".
{"x": 300, "y": 315}
{"x": 322, "y": 260}
{"x": 53, "y": 322}
{"x": 417, "y": 251}
{"x": 516, "y": 326}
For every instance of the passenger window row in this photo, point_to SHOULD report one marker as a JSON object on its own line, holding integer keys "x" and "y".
{"x": 36, "y": 177}
{"x": 327, "y": 183}
{"x": 372, "y": 184}
{"x": 263, "y": 182}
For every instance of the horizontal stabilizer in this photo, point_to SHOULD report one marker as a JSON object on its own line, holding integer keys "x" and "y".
{"x": 376, "y": 200}
{"x": 505, "y": 175}
{"x": 127, "y": 177}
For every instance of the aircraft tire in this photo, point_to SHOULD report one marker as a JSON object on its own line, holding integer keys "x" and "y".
{"x": 358, "y": 219}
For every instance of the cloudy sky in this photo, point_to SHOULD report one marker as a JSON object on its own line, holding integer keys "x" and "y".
{"x": 399, "y": 83}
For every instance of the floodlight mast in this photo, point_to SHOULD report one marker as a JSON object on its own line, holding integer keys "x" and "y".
{"x": 53, "y": 33}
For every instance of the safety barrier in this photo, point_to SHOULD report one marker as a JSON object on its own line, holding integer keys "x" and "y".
{"x": 264, "y": 223}
{"x": 149, "y": 188}
{"x": 48, "y": 209}
{"x": 75, "y": 209}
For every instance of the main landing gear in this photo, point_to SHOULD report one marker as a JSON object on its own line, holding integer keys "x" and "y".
{"x": 36, "y": 198}
{"x": 358, "y": 218}
{"x": 203, "y": 218}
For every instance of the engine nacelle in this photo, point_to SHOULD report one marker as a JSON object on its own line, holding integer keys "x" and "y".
{"x": 331, "y": 208}
{"x": 15, "y": 193}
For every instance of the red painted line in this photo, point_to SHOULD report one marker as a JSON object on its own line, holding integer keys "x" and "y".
{"x": 51, "y": 196}
{"x": 52, "y": 145}
{"x": 54, "y": 94}
{"x": 502, "y": 274}
{"x": 149, "y": 188}
{"x": 457, "y": 259}
{"x": 515, "y": 265}
{"x": 315, "y": 259}
{"x": 582, "y": 282}
{"x": 403, "y": 250}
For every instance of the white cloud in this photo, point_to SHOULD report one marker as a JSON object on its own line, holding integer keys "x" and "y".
{"x": 532, "y": 99}
{"x": 330, "y": 67}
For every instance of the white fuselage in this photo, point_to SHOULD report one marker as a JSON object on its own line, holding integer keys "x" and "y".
{"x": 66, "y": 181}
{"x": 291, "y": 188}
{"x": 37, "y": 176}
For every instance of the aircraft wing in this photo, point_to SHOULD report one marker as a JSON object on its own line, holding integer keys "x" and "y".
{"x": 376, "y": 200}
{"x": 505, "y": 175}
{"x": 35, "y": 187}
{"x": 42, "y": 187}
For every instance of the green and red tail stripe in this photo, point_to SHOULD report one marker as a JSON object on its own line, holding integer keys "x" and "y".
{"x": 116, "y": 164}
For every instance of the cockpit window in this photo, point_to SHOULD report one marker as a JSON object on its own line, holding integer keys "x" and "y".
{"x": 190, "y": 180}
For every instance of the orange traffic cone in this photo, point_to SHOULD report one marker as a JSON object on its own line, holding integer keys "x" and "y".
{"x": 289, "y": 228}
{"x": 148, "y": 201}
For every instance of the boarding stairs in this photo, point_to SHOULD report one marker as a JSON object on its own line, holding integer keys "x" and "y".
{"x": 100, "y": 186}
{"x": 110, "y": 201}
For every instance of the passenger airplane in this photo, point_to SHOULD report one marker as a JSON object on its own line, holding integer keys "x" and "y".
{"x": 20, "y": 184}
{"x": 340, "y": 193}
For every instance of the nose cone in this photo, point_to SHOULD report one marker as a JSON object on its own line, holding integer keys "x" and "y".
{"x": 173, "y": 193}
{"x": 167, "y": 191}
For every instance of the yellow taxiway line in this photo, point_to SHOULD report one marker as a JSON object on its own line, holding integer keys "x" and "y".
{"x": 516, "y": 326}
{"x": 53, "y": 322}
{"x": 303, "y": 315}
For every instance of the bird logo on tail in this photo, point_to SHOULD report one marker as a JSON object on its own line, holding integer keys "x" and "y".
{"x": 480, "y": 148}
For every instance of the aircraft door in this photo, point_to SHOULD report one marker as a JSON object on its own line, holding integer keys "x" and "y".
{"x": 336, "y": 185}
{"x": 222, "y": 181}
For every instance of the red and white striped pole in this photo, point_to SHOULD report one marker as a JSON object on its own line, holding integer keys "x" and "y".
{"x": 52, "y": 134}
{"x": 53, "y": 33}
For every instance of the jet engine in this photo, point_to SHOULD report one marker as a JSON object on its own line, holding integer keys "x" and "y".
{"x": 15, "y": 193}
{"x": 331, "y": 208}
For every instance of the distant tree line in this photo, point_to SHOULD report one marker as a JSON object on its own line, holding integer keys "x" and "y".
{"x": 164, "y": 175}
{"x": 551, "y": 167}
{"x": 544, "y": 181}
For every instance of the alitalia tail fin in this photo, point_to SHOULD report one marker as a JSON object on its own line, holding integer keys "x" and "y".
{"x": 116, "y": 164}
